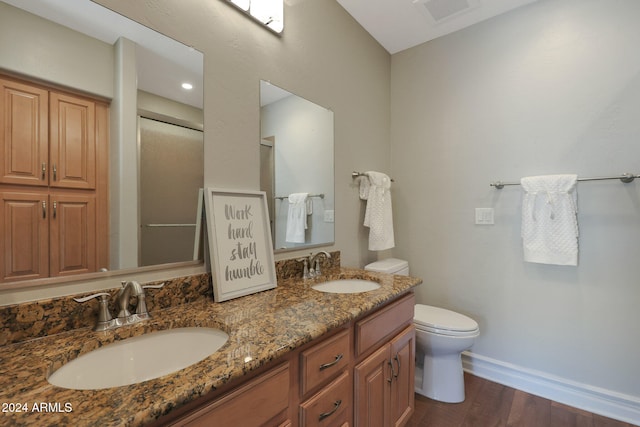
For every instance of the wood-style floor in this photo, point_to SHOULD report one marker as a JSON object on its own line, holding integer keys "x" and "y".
{"x": 489, "y": 404}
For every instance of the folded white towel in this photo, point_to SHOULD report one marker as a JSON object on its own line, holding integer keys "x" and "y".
{"x": 549, "y": 219}
{"x": 375, "y": 188}
{"x": 297, "y": 218}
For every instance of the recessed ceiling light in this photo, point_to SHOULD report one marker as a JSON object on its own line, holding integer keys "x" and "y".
{"x": 187, "y": 86}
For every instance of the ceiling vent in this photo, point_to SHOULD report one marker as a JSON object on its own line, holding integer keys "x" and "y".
{"x": 442, "y": 10}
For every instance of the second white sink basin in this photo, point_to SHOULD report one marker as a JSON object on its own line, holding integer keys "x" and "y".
{"x": 139, "y": 359}
{"x": 346, "y": 286}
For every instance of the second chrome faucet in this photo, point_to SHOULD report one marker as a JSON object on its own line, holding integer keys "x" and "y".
{"x": 312, "y": 264}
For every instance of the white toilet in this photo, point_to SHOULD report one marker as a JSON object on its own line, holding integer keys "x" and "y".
{"x": 441, "y": 336}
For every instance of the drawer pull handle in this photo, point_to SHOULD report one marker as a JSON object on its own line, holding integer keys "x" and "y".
{"x": 44, "y": 170}
{"x": 336, "y": 406}
{"x": 330, "y": 364}
{"x": 44, "y": 209}
{"x": 395, "y": 375}
{"x": 55, "y": 173}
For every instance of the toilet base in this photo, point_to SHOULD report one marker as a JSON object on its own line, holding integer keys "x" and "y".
{"x": 440, "y": 378}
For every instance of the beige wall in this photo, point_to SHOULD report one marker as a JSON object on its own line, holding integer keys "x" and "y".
{"x": 550, "y": 88}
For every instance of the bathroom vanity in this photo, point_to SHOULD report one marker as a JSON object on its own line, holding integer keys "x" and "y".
{"x": 363, "y": 371}
{"x": 294, "y": 355}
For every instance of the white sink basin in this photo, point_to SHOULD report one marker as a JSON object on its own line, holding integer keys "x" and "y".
{"x": 346, "y": 286}
{"x": 139, "y": 359}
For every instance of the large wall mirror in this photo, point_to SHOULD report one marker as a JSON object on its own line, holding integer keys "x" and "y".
{"x": 296, "y": 165}
{"x": 155, "y": 125}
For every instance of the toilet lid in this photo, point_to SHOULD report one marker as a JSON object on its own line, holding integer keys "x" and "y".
{"x": 442, "y": 319}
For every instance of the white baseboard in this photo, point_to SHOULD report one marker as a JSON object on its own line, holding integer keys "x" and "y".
{"x": 593, "y": 399}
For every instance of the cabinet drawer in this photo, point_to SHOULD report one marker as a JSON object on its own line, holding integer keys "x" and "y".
{"x": 380, "y": 325}
{"x": 262, "y": 401}
{"x": 324, "y": 361}
{"x": 329, "y": 407}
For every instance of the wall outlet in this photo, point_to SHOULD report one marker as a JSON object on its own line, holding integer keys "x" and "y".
{"x": 484, "y": 216}
{"x": 329, "y": 215}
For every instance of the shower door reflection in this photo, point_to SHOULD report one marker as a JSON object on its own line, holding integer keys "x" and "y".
{"x": 171, "y": 175}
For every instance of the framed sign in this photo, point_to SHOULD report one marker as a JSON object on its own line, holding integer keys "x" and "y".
{"x": 240, "y": 242}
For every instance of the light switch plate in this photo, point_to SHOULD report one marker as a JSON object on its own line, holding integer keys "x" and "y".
{"x": 329, "y": 215}
{"x": 484, "y": 216}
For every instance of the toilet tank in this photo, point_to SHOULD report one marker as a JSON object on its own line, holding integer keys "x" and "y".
{"x": 390, "y": 265}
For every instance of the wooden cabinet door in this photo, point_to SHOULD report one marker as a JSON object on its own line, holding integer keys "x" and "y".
{"x": 25, "y": 230}
{"x": 73, "y": 233}
{"x": 72, "y": 142}
{"x": 372, "y": 390}
{"x": 23, "y": 134}
{"x": 403, "y": 368}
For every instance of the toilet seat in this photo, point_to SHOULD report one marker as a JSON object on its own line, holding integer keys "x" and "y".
{"x": 443, "y": 322}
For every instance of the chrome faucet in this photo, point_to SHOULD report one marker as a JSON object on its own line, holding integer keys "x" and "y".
{"x": 312, "y": 264}
{"x": 129, "y": 289}
{"x": 305, "y": 271}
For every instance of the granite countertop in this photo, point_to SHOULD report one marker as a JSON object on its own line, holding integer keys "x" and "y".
{"x": 261, "y": 328}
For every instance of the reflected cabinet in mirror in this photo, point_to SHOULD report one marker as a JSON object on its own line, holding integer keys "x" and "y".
{"x": 296, "y": 166}
{"x": 101, "y": 145}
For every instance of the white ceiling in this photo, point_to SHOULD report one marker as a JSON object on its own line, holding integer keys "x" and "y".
{"x": 400, "y": 24}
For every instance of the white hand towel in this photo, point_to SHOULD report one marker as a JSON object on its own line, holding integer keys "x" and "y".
{"x": 549, "y": 219}
{"x": 297, "y": 218}
{"x": 309, "y": 206}
{"x": 375, "y": 188}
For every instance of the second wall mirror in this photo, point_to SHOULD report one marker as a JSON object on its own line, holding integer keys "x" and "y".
{"x": 296, "y": 166}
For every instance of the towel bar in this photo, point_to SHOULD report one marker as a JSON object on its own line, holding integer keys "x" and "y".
{"x": 170, "y": 225}
{"x": 625, "y": 177}
{"x": 355, "y": 174}
{"x": 321, "y": 195}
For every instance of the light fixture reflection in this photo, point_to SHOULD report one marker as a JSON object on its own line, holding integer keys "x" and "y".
{"x": 242, "y": 4}
{"x": 187, "y": 86}
{"x": 269, "y": 13}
